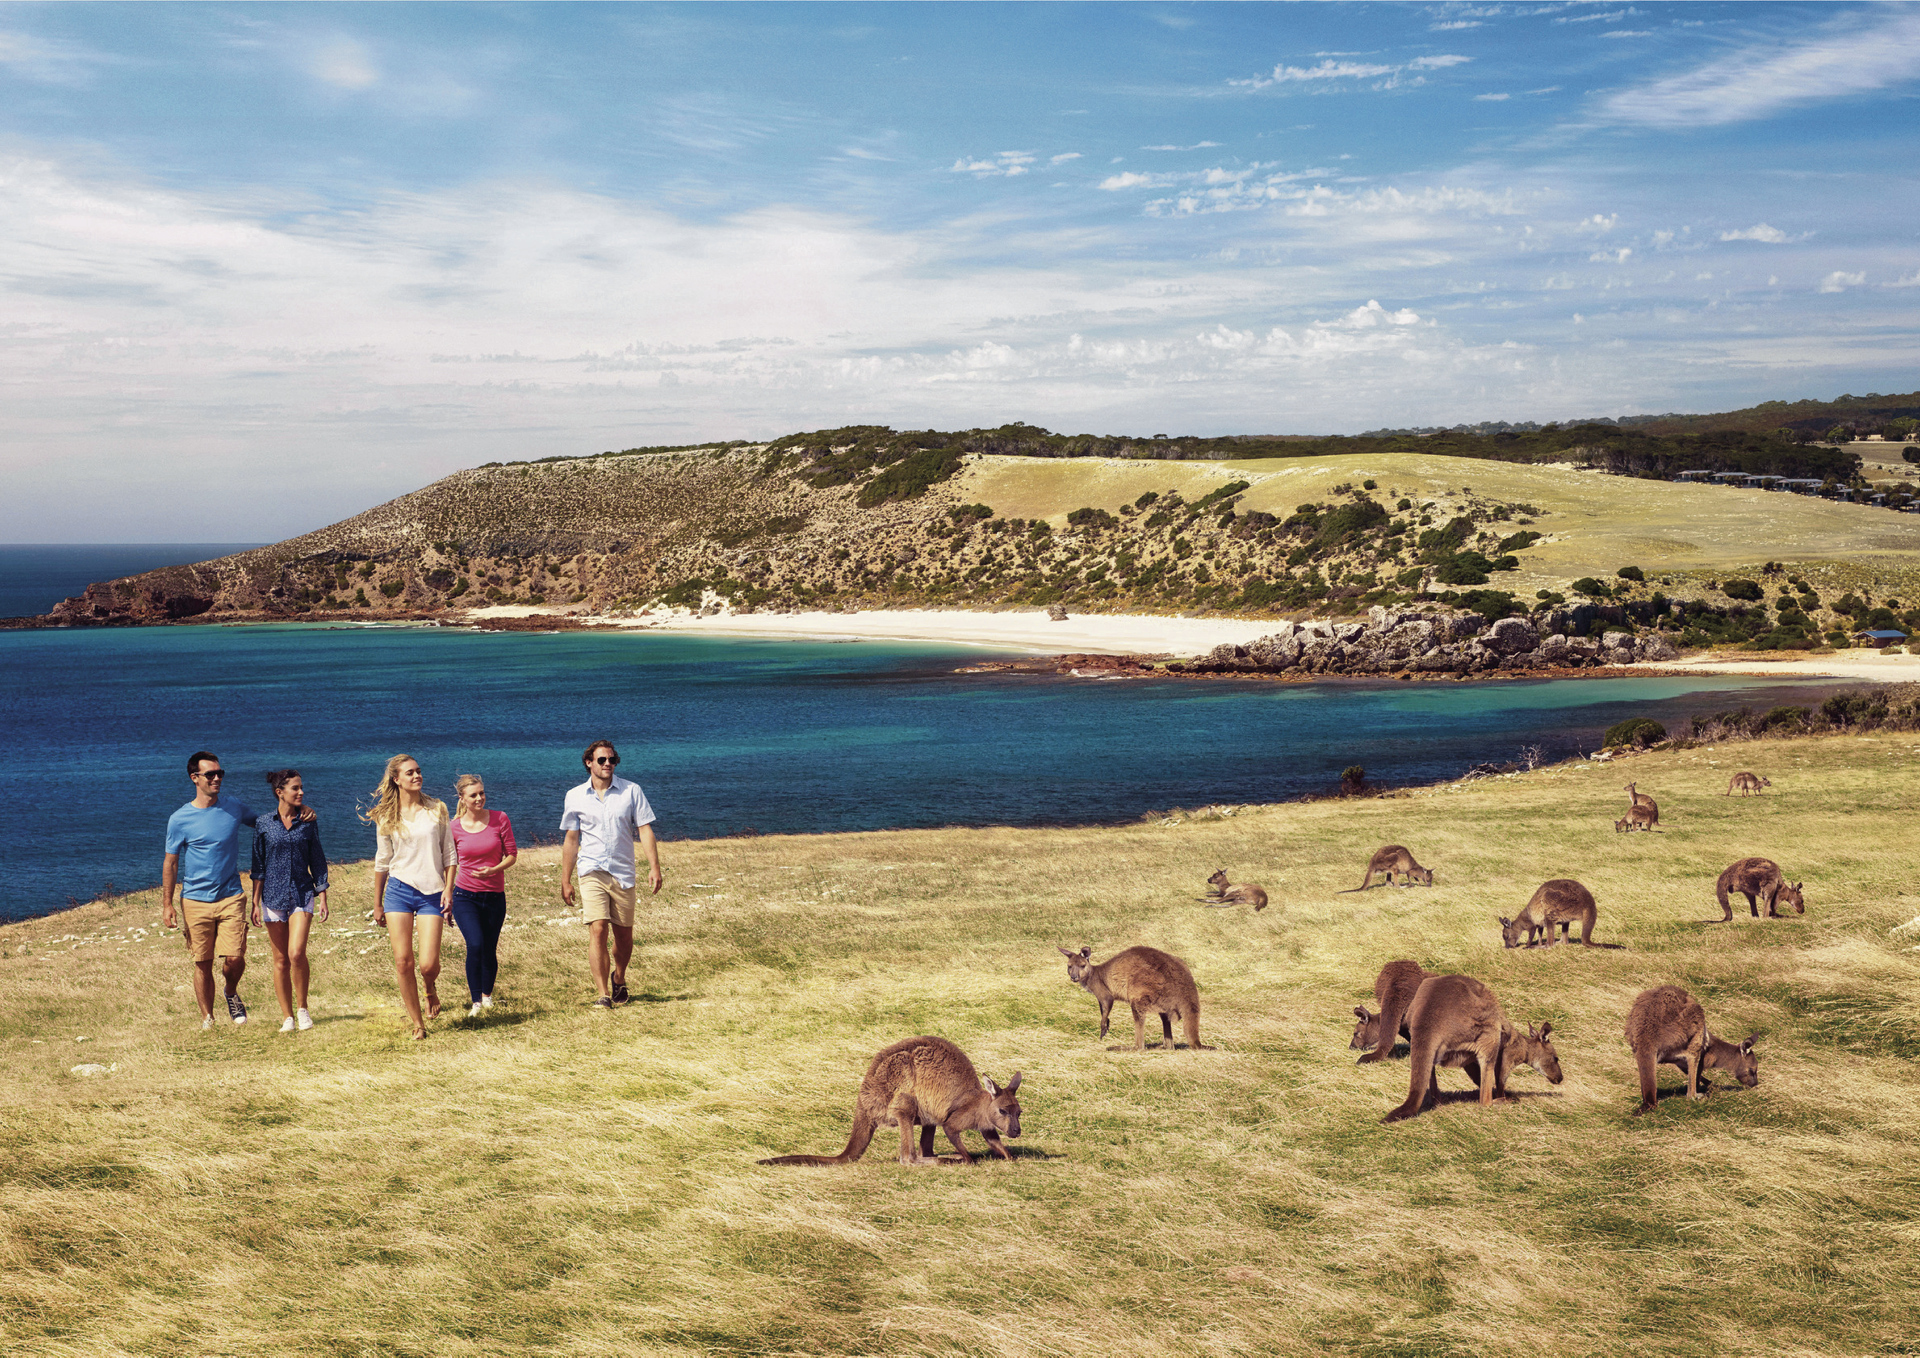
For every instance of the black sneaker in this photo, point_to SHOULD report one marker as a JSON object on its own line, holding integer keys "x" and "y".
{"x": 602, "y": 1002}
{"x": 620, "y": 995}
{"x": 236, "y": 1010}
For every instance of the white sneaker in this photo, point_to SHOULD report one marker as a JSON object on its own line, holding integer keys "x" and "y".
{"x": 475, "y": 1011}
{"x": 486, "y": 1001}
{"x": 303, "y": 1020}
{"x": 206, "y": 1024}
{"x": 286, "y": 1025}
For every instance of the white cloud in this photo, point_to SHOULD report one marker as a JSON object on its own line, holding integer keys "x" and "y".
{"x": 49, "y": 63}
{"x": 1838, "y": 281}
{"x": 343, "y": 63}
{"x": 1852, "y": 58}
{"x": 1064, "y": 157}
{"x": 1454, "y": 26}
{"x": 1912, "y": 280}
{"x": 1628, "y": 33}
{"x": 1619, "y": 256}
{"x": 1006, "y": 163}
{"x": 1330, "y": 70}
{"x": 1491, "y": 98}
{"x": 1197, "y": 146}
{"x": 1373, "y": 314}
{"x": 1608, "y": 17}
{"x": 1767, "y": 235}
{"x": 1127, "y": 179}
{"x": 1439, "y": 63}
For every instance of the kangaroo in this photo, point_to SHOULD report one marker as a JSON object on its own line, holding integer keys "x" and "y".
{"x": 1755, "y": 878}
{"x": 925, "y": 1082}
{"x": 1667, "y": 1026}
{"x": 1636, "y": 797}
{"x": 1643, "y": 805}
{"x": 1455, "y": 1021}
{"x": 1637, "y": 818}
{"x": 1749, "y": 784}
{"x": 1151, "y": 981}
{"x": 1391, "y": 859}
{"x": 1225, "y": 895}
{"x": 1393, "y": 991}
{"x": 1563, "y": 902}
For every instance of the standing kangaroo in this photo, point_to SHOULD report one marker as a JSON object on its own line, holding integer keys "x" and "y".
{"x": 1642, "y": 804}
{"x": 1563, "y": 902}
{"x": 1667, "y": 1026}
{"x": 1757, "y": 878}
{"x": 1150, "y": 981}
{"x": 1243, "y": 894}
{"x": 1393, "y": 991}
{"x": 1637, "y": 818}
{"x": 925, "y": 1082}
{"x": 1456, "y": 1021}
{"x": 1748, "y": 783}
{"x": 1391, "y": 859}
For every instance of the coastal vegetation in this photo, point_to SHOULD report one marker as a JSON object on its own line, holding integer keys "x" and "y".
{"x": 553, "y": 1181}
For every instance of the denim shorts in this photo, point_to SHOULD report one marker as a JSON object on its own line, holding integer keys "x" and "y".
{"x": 300, "y": 905}
{"x": 402, "y": 899}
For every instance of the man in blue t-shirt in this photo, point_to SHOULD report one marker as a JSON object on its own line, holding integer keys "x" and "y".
{"x": 203, "y": 859}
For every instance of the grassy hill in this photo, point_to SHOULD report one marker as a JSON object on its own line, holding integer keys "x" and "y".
{"x": 555, "y": 1181}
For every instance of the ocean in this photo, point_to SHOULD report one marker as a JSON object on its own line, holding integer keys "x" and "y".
{"x": 36, "y": 576}
{"x": 727, "y": 735}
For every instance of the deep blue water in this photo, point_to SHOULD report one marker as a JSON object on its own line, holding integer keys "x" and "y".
{"x": 34, "y": 576}
{"x": 724, "y": 734}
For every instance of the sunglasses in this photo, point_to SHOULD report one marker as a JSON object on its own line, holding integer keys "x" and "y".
{"x": 602, "y": 759}
{"x": 211, "y": 774}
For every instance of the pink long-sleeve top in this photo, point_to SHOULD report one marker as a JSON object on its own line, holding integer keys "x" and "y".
{"x": 483, "y": 849}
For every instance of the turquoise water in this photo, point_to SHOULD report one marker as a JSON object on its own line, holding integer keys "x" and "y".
{"x": 726, "y": 735}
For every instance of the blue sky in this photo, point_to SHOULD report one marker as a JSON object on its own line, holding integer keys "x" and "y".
{"x": 263, "y": 266}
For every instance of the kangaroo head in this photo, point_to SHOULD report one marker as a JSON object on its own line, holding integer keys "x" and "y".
{"x": 1790, "y": 895}
{"x": 1766, "y": 782}
{"x": 1423, "y": 876}
{"x": 1366, "y": 1033}
{"x": 1539, "y": 1053}
{"x": 1218, "y": 879}
{"x": 1078, "y": 964}
{"x": 1513, "y": 933}
{"x": 1742, "y": 1062}
{"x": 1006, "y": 1108}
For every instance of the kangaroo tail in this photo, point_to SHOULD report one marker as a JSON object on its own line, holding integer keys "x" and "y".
{"x": 856, "y": 1147}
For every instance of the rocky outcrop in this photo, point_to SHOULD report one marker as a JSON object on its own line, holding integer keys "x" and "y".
{"x": 1394, "y": 641}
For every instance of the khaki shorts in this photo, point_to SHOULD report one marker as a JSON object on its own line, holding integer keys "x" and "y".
{"x": 603, "y": 898}
{"x": 215, "y": 927}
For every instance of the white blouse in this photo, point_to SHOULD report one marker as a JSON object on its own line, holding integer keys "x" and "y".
{"x": 421, "y": 853}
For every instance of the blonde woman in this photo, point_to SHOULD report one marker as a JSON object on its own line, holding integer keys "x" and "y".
{"x": 413, "y": 871}
{"x": 484, "y": 840}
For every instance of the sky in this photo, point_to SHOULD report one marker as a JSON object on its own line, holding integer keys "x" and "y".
{"x": 262, "y": 267}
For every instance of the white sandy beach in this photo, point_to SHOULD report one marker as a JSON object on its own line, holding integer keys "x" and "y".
{"x": 1873, "y": 666}
{"x": 1013, "y": 630}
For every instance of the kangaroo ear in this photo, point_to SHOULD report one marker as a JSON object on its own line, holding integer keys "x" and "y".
{"x": 1747, "y": 1046}
{"x": 1545, "y": 1028}
{"x": 993, "y": 1088}
{"x": 1067, "y": 952}
{"x": 1504, "y": 921}
{"x": 1086, "y": 952}
{"x": 1360, "y": 1013}
{"x": 1014, "y": 1083}
{"x": 1796, "y": 886}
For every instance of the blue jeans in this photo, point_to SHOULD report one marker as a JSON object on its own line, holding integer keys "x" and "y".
{"x": 402, "y": 899}
{"x": 481, "y": 915}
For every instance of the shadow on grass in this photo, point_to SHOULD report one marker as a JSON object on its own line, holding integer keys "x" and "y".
{"x": 1162, "y": 1046}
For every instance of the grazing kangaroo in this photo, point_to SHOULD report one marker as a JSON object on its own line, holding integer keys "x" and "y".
{"x": 1246, "y": 892}
{"x": 1667, "y": 1026}
{"x": 1563, "y": 902}
{"x": 1455, "y": 1021}
{"x": 1755, "y": 878}
{"x": 1393, "y": 991}
{"x": 1391, "y": 859}
{"x": 925, "y": 1082}
{"x": 1637, "y": 818}
{"x": 1150, "y": 981}
{"x": 1748, "y": 783}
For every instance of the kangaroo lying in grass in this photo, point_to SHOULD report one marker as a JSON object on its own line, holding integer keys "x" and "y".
{"x": 1393, "y": 991}
{"x": 925, "y": 1082}
{"x": 1455, "y": 1021}
{"x": 1749, "y": 784}
{"x": 1391, "y": 859}
{"x": 1637, "y": 818}
{"x": 1562, "y": 902}
{"x": 1667, "y": 1026}
{"x": 1245, "y": 893}
{"x": 1757, "y": 878}
{"x": 1150, "y": 981}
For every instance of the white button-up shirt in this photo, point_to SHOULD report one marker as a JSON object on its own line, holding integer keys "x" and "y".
{"x": 607, "y": 826}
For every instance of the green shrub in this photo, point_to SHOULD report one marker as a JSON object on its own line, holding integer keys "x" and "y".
{"x": 1785, "y": 719}
{"x": 1091, "y": 518}
{"x": 1742, "y": 589}
{"x": 1592, "y": 588}
{"x": 1637, "y": 731}
{"x": 390, "y": 588}
{"x": 965, "y": 512}
{"x": 1146, "y": 499}
{"x": 1633, "y": 573}
{"x": 1464, "y": 568}
{"x": 910, "y": 476}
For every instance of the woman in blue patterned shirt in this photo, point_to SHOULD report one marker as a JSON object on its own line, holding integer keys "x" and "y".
{"x": 289, "y": 889}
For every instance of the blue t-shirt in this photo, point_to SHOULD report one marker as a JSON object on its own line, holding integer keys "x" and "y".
{"x": 208, "y": 842}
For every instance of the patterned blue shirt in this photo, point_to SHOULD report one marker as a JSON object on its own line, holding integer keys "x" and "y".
{"x": 292, "y": 862}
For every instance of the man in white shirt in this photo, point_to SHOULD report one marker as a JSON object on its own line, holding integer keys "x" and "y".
{"x": 604, "y": 817}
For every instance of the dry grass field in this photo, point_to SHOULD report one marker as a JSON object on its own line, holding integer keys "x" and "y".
{"x": 558, "y": 1181}
{"x": 1596, "y": 523}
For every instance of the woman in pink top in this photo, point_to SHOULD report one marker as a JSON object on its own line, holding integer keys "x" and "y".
{"x": 484, "y": 841}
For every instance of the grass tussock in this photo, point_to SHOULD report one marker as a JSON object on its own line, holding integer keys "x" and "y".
{"x": 555, "y": 1181}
